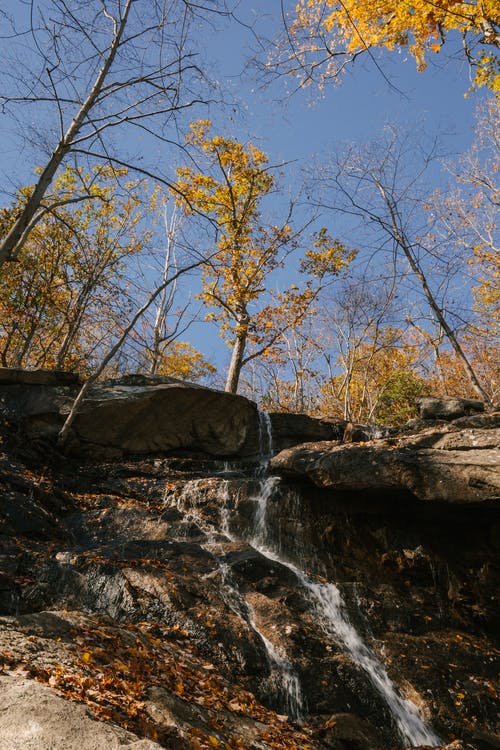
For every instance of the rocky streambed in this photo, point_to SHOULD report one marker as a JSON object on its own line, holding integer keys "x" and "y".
{"x": 180, "y": 597}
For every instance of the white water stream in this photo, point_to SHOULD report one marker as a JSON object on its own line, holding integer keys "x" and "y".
{"x": 283, "y": 679}
{"x": 325, "y": 599}
{"x": 334, "y": 619}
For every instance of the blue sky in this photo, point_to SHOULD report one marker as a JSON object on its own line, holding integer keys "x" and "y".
{"x": 309, "y": 124}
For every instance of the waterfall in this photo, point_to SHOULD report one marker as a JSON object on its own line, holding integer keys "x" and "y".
{"x": 283, "y": 678}
{"x": 325, "y": 598}
{"x": 327, "y": 601}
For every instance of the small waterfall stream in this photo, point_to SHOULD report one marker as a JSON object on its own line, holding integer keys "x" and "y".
{"x": 283, "y": 679}
{"x": 325, "y": 599}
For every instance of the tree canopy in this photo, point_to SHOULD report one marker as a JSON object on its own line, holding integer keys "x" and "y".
{"x": 325, "y": 35}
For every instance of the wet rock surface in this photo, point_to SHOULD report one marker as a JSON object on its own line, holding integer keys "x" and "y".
{"x": 135, "y": 589}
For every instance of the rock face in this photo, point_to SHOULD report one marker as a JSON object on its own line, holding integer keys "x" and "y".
{"x": 292, "y": 429}
{"x": 433, "y": 466}
{"x": 14, "y": 376}
{"x": 33, "y": 717}
{"x": 141, "y": 414}
{"x": 448, "y": 408}
{"x": 188, "y": 604}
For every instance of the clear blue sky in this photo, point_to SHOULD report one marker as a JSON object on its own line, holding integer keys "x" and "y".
{"x": 307, "y": 124}
{"x": 310, "y": 122}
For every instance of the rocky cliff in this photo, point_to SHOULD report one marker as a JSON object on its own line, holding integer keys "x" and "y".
{"x": 159, "y": 588}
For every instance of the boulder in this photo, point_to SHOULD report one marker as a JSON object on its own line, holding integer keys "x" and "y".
{"x": 448, "y": 408}
{"x": 33, "y": 717}
{"x": 139, "y": 415}
{"x": 292, "y": 429}
{"x": 456, "y": 467}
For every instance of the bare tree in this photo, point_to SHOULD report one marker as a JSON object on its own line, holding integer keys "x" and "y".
{"x": 382, "y": 185}
{"x": 356, "y": 319}
{"x": 96, "y": 75}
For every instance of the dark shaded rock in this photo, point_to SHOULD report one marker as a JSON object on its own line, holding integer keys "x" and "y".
{"x": 17, "y": 376}
{"x": 254, "y": 567}
{"x": 356, "y": 433}
{"x": 484, "y": 421}
{"x": 133, "y": 419}
{"x": 291, "y": 429}
{"x": 167, "y": 601}
{"x": 447, "y": 408}
{"x": 348, "y": 732}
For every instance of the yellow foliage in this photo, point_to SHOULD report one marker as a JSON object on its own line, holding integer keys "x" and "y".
{"x": 379, "y": 380}
{"x": 351, "y": 27}
{"x": 236, "y": 180}
{"x": 62, "y": 294}
{"x": 181, "y": 360}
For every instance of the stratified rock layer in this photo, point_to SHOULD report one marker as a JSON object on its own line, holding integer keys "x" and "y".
{"x": 461, "y": 466}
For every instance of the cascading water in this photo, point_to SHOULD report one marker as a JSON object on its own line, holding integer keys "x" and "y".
{"x": 333, "y": 616}
{"x": 325, "y": 599}
{"x": 283, "y": 679}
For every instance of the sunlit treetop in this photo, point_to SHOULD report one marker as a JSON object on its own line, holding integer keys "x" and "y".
{"x": 326, "y": 34}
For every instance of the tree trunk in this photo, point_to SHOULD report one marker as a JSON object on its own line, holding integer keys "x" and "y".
{"x": 405, "y": 246}
{"x": 233, "y": 374}
{"x": 14, "y": 240}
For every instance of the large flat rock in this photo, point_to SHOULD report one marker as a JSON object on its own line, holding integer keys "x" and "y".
{"x": 145, "y": 414}
{"x": 138, "y": 416}
{"x": 436, "y": 466}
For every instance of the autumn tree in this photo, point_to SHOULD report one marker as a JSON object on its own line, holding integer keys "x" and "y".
{"x": 324, "y": 36}
{"x": 236, "y": 180}
{"x": 379, "y": 382}
{"x": 68, "y": 286}
{"x": 180, "y": 359}
{"x": 93, "y": 76}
